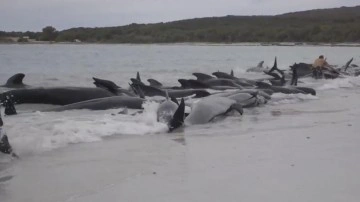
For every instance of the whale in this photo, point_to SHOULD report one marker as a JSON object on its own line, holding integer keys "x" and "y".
{"x": 247, "y": 100}
{"x": 207, "y": 109}
{"x": 240, "y": 81}
{"x": 215, "y": 84}
{"x": 174, "y": 93}
{"x": 55, "y": 96}
{"x": 15, "y": 81}
{"x": 258, "y": 68}
{"x": 105, "y": 103}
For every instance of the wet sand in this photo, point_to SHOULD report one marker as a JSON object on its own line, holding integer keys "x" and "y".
{"x": 296, "y": 156}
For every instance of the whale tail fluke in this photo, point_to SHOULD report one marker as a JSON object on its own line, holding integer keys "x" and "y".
{"x": 105, "y": 84}
{"x": 178, "y": 117}
{"x": 274, "y": 66}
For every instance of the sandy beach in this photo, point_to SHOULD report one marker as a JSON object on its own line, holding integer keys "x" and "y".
{"x": 297, "y": 155}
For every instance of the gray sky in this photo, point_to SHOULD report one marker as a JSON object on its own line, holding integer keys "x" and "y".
{"x": 33, "y": 15}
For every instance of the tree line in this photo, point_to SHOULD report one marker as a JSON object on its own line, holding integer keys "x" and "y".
{"x": 327, "y": 25}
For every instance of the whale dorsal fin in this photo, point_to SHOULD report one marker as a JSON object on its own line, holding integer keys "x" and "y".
{"x": 260, "y": 65}
{"x": 16, "y": 79}
{"x": 154, "y": 83}
{"x": 202, "y": 77}
{"x": 184, "y": 83}
{"x": 232, "y": 73}
{"x": 138, "y": 76}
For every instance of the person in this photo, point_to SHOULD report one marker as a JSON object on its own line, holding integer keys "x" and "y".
{"x": 319, "y": 65}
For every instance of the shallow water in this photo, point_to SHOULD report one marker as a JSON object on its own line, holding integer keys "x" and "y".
{"x": 39, "y": 137}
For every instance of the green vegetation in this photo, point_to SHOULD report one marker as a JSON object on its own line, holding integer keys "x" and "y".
{"x": 49, "y": 33}
{"x": 325, "y": 25}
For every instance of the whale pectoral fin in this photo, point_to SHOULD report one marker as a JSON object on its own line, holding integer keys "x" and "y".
{"x": 5, "y": 146}
{"x": 237, "y": 107}
{"x": 8, "y": 104}
{"x": 178, "y": 117}
{"x": 348, "y": 63}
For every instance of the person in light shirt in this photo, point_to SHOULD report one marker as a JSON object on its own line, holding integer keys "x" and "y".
{"x": 321, "y": 64}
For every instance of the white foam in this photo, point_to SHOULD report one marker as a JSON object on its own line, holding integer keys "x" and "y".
{"x": 38, "y": 131}
{"x": 280, "y": 98}
{"x": 348, "y": 82}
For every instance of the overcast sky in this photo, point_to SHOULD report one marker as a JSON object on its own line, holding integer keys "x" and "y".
{"x": 33, "y": 15}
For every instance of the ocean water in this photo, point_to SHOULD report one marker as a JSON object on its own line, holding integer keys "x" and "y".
{"x": 75, "y": 65}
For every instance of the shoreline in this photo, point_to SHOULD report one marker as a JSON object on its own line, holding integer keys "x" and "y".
{"x": 291, "y": 44}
